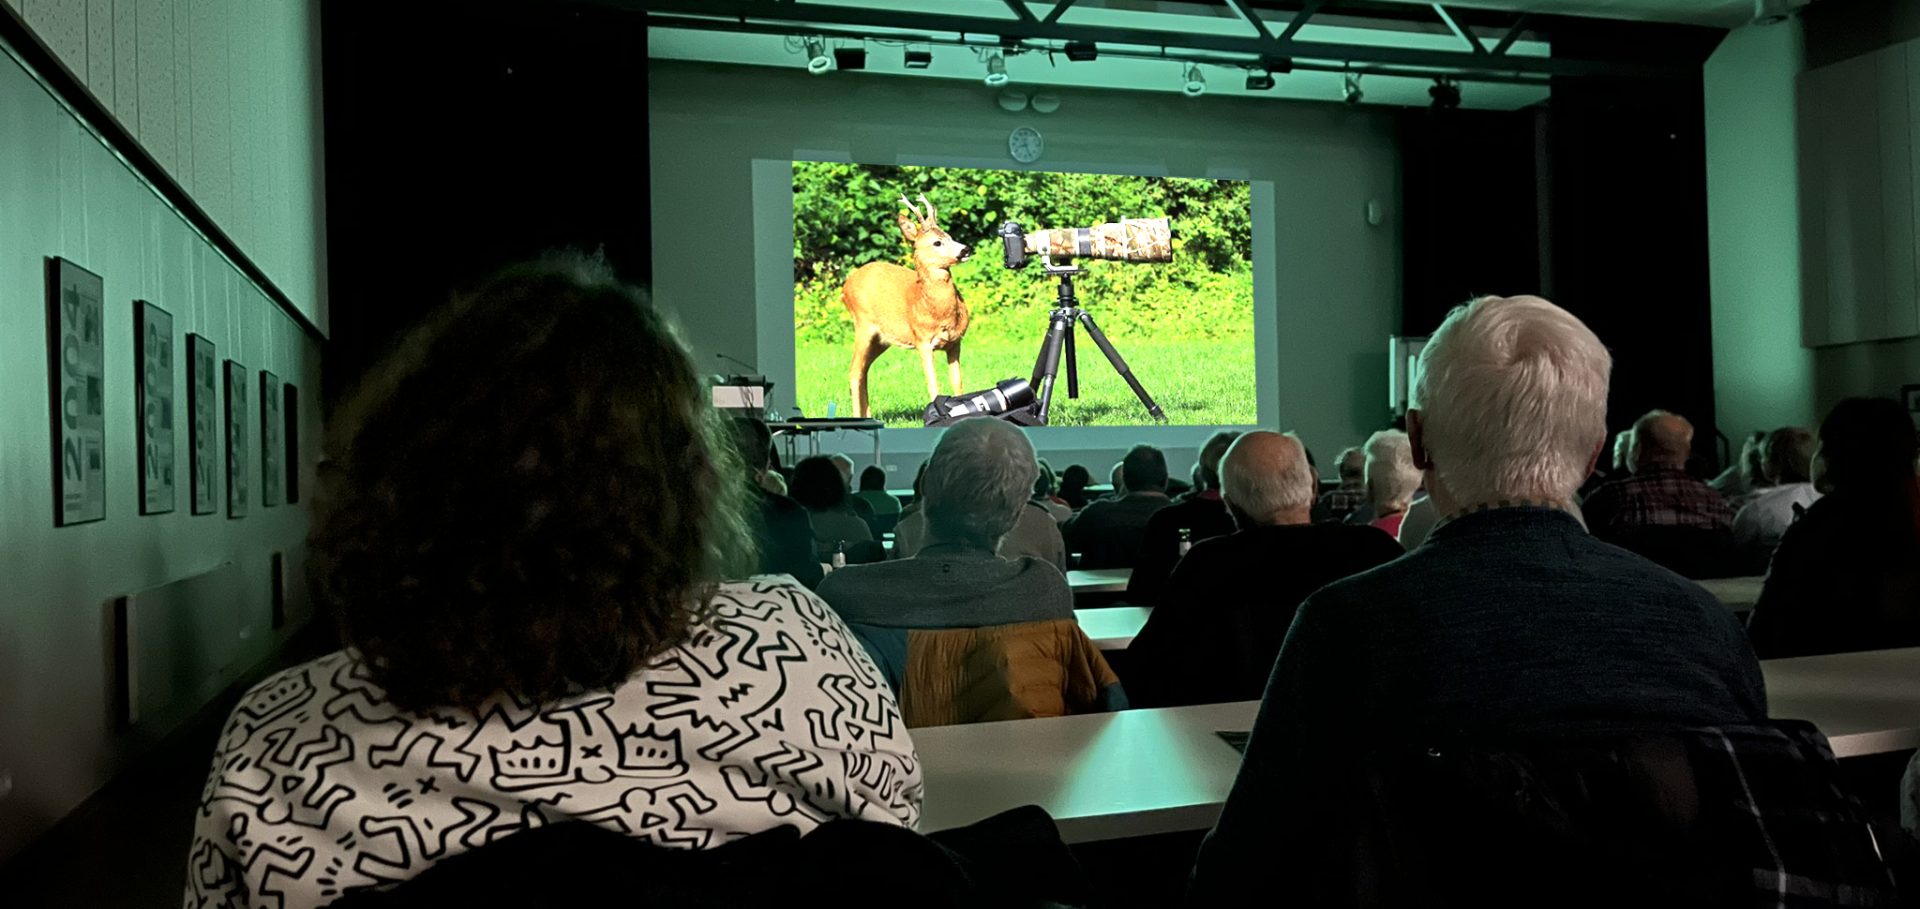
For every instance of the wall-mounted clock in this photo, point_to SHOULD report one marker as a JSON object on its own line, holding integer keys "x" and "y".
{"x": 1025, "y": 144}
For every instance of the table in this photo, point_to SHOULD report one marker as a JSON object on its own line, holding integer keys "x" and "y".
{"x": 1113, "y": 628}
{"x": 1142, "y": 772}
{"x": 1865, "y": 703}
{"x": 1102, "y": 776}
{"x": 1737, "y": 594}
{"x": 809, "y": 427}
{"x": 1099, "y": 580}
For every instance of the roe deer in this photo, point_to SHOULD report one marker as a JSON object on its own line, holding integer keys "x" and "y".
{"x": 914, "y": 307}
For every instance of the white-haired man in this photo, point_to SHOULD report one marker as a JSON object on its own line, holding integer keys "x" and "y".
{"x": 1225, "y": 610}
{"x": 1511, "y": 621}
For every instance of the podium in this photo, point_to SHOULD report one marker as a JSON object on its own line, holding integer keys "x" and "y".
{"x": 742, "y": 396}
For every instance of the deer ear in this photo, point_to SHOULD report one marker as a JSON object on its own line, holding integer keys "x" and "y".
{"x": 909, "y": 226}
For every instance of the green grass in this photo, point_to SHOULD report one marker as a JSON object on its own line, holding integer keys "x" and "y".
{"x": 1200, "y": 383}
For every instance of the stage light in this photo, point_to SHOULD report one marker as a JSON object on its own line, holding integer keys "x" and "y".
{"x": 1196, "y": 82}
{"x": 996, "y": 69}
{"x": 1445, "y": 93}
{"x": 817, "y": 60}
{"x": 1351, "y": 93}
{"x": 849, "y": 58}
{"x": 1259, "y": 80}
{"x": 1082, "y": 51}
{"x": 917, "y": 59}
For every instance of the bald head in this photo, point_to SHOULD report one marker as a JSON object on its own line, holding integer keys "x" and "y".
{"x": 1266, "y": 480}
{"x": 1661, "y": 440}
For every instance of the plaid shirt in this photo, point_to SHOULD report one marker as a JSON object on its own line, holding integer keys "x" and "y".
{"x": 1661, "y": 497}
{"x": 1339, "y": 502}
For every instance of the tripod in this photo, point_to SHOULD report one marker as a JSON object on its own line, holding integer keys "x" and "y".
{"x": 1059, "y": 341}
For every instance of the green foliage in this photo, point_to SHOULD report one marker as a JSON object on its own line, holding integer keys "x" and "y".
{"x": 844, "y": 217}
{"x": 1197, "y": 382}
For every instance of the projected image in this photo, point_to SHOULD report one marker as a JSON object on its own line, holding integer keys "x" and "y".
{"x": 902, "y": 291}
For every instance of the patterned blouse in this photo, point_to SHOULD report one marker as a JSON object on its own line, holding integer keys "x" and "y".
{"x": 770, "y": 714}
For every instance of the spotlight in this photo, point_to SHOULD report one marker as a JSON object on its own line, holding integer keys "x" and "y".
{"x": 1351, "y": 93}
{"x": 1259, "y": 80}
{"x": 918, "y": 59}
{"x": 996, "y": 69}
{"x": 1196, "y": 82}
{"x": 1082, "y": 51}
{"x": 817, "y": 60}
{"x": 1445, "y": 93}
{"x": 849, "y": 58}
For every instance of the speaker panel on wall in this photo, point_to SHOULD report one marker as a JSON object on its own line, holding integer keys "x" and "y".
{"x": 236, "y": 440}
{"x": 77, "y": 343}
{"x": 203, "y": 433}
{"x": 153, "y": 397}
{"x": 273, "y": 470}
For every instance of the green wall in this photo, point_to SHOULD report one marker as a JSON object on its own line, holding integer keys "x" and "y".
{"x": 1762, "y": 377}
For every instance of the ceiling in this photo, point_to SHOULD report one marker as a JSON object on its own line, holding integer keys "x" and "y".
{"x": 1721, "y": 13}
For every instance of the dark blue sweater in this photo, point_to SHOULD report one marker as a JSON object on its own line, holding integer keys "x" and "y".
{"x": 1511, "y": 622}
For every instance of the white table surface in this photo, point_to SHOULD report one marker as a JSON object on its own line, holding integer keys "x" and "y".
{"x": 1865, "y": 703}
{"x": 1113, "y": 628}
{"x": 1099, "y": 580}
{"x": 1737, "y": 594}
{"x": 1102, "y": 776}
{"x": 1142, "y": 772}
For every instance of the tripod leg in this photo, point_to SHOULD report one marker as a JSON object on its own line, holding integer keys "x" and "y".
{"x": 1047, "y": 368}
{"x": 1073, "y": 367}
{"x": 1120, "y": 365}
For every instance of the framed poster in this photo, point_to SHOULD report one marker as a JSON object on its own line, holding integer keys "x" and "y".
{"x": 77, "y": 344}
{"x": 153, "y": 399}
{"x": 236, "y": 440}
{"x": 273, "y": 467}
{"x": 203, "y": 426}
{"x": 292, "y": 411}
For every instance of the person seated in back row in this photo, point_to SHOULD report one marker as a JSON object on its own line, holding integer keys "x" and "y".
{"x": 1662, "y": 511}
{"x": 975, "y": 490}
{"x": 1111, "y": 533}
{"x": 1786, "y": 464}
{"x": 837, "y": 527}
{"x": 527, "y": 563}
{"x": 1509, "y": 622}
{"x": 1337, "y": 503}
{"x": 1846, "y": 576}
{"x": 1223, "y": 614}
{"x": 1174, "y": 529}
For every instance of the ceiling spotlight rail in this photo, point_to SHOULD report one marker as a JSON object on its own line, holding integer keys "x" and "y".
{"x": 1475, "y": 63}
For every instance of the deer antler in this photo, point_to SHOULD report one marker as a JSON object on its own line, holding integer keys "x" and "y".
{"x": 930, "y": 213}
{"x": 912, "y": 209}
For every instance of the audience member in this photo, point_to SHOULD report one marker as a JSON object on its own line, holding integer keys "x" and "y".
{"x": 1610, "y": 468}
{"x": 1744, "y": 475}
{"x": 1112, "y": 532}
{"x": 1846, "y": 576}
{"x": 1661, "y": 511}
{"x": 1035, "y": 534}
{"x": 1392, "y": 479}
{"x": 883, "y": 506}
{"x": 1117, "y": 478}
{"x": 1172, "y": 530}
{"x": 1786, "y": 463}
{"x": 1510, "y": 621}
{"x": 517, "y": 556}
{"x": 1043, "y": 494}
{"x": 1223, "y": 614}
{"x": 977, "y": 485}
{"x": 783, "y": 532}
{"x": 1337, "y": 503}
{"x": 1073, "y": 486}
{"x": 854, "y": 503}
{"x": 836, "y": 526}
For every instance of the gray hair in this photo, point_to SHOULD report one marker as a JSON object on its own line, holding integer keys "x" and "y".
{"x": 1275, "y": 480}
{"x": 1512, "y": 401}
{"x": 979, "y": 477}
{"x": 1392, "y": 479}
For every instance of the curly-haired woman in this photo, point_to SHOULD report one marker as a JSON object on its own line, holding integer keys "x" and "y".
{"x": 522, "y": 536}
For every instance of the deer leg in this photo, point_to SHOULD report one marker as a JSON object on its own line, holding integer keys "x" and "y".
{"x": 866, "y": 349}
{"x": 933, "y": 382}
{"x": 953, "y": 364}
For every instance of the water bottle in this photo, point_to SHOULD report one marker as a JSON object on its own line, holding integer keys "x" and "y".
{"x": 1186, "y": 540}
{"x": 831, "y": 407}
{"x": 839, "y": 555}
